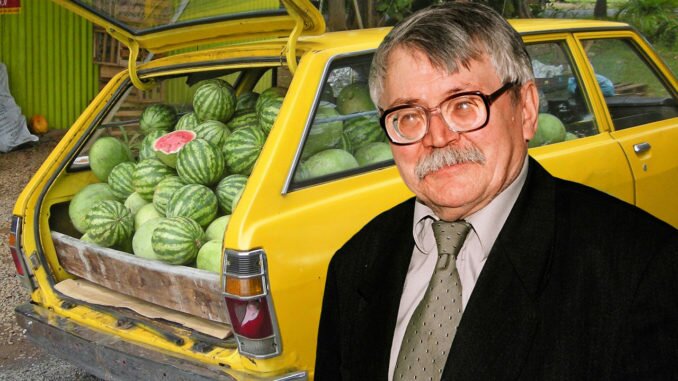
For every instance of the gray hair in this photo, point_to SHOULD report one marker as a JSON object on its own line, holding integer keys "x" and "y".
{"x": 453, "y": 34}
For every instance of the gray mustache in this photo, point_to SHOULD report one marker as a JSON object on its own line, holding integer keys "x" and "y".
{"x": 443, "y": 157}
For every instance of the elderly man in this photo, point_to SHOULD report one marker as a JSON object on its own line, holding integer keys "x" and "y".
{"x": 496, "y": 270}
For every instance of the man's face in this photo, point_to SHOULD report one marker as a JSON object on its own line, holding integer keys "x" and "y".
{"x": 457, "y": 190}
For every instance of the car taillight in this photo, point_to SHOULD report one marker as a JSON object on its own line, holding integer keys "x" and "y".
{"x": 17, "y": 254}
{"x": 249, "y": 303}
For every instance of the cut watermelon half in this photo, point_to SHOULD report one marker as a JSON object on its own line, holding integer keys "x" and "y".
{"x": 167, "y": 146}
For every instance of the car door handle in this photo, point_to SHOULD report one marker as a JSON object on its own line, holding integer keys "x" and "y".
{"x": 641, "y": 147}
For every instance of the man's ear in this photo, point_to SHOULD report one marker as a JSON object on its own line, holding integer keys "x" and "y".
{"x": 530, "y": 108}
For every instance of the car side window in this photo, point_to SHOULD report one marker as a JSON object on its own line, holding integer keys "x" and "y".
{"x": 633, "y": 92}
{"x": 564, "y": 111}
{"x": 345, "y": 136}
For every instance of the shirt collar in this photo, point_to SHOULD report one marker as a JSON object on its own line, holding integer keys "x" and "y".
{"x": 486, "y": 223}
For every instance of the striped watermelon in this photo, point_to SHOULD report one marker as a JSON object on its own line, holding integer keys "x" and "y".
{"x": 226, "y": 190}
{"x": 271, "y": 92}
{"x": 200, "y": 163}
{"x": 246, "y": 101}
{"x": 363, "y": 130}
{"x": 164, "y": 191}
{"x": 187, "y": 121}
{"x": 120, "y": 180}
{"x": 214, "y": 101}
{"x": 325, "y": 131}
{"x": 194, "y": 201}
{"x": 146, "y": 149}
{"x": 109, "y": 223}
{"x": 242, "y": 148}
{"x": 268, "y": 113}
{"x": 167, "y": 146}
{"x": 83, "y": 201}
{"x": 157, "y": 116}
{"x": 147, "y": 175}
{"x": 213, "y": 131}
{"x": 240, "y": 120}
{"x": 176, "y": 240}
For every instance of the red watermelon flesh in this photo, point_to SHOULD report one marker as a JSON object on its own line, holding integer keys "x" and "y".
{"x": 167, "y": 146}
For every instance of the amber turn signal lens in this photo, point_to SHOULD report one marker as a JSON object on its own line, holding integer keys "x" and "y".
{"x": 244, "y": 287}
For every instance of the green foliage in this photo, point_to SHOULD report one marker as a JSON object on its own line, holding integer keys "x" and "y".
{"x": 395, "y": 9}
{"x": 656, "y": 19}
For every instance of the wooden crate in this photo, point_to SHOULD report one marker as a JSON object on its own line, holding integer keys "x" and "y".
{"x": 193, "y": 291}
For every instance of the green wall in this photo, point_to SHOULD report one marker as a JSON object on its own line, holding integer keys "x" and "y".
{"x": 48, "y": 54}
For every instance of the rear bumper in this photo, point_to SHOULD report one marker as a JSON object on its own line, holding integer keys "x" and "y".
{"x": 112, "y": 358}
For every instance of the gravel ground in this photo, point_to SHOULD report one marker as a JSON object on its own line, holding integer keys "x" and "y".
{"x": 19, "y": 359}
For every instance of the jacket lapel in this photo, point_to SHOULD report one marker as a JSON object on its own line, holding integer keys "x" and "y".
{"x": 499, "y": 323}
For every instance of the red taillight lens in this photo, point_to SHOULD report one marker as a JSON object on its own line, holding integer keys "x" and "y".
{"x": 250, "y": 318}
{"x": 14, "y": 247}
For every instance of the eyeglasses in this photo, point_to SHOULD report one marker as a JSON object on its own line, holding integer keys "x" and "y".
{"x": 462, "y": 112}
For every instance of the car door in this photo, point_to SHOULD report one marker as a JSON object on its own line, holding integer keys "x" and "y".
{"x": 642, "y": 106}
{"x": 587, "y": 153}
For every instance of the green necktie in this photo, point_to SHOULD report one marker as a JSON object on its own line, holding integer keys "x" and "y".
{"x": 431, "y": 329}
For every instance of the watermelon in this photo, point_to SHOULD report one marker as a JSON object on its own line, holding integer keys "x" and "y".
{"x": 268, "y": 113}
{"x": 134, "y": 202}
{"x": 227, "y": 188}
{"x": 187, "y": 121}
{"x": 147, "y": 175}
{"x": 167, "y": 146}
{"x": 141, "y": 242}
{"x": 157, "y": 116}
{"x": 106, "y": 153}
{"x": 146, "y": 149}
{"x": 236, "y": 199}
{"x": 86, "y": 238}
{"x": 120, "y": 180}
{"x": 213, "y": 131}
{"x": 271, "y": 92}
{"x": 217, "y": 228}
{"x": 363, "y": 130}
{"x": 345, "y": 143}
{"x": 194, "y": 201}
{"x": 200, "y": 163}
{"x": 375, "y": 152}
{"x": 240, "y": 120}
{"x": 246, "y": 101}
{"x": 301, "y": 173}
{"x": 214, "y": 101}
{"x": 549, "y": 130}
{"x": 109, "y": 223}
{"x": 145, "y": 213}
{"x": 242, "y": 148}
{"x": 83, "y": 201}
{"x": 325, "y": 132}
{"x": 209, "y": 257}
{"x": 176, "y": 240}
{"x": 164, "y": 191}
{"x": 355, "y": 98}
{"x": 570, "y": 136}
{"x": 330, "y": 161}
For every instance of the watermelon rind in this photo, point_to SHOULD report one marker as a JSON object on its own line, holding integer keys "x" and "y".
{"x": 109, "y": 223}
{"x": 216, "y": 229}
{"x": 146, "y": 148}
{"x": 214, "y": 101}
{"x": 213, "y": 131}
{"x": 194, "y": 201}
{"x": 106, "y": 153}
{"x": 176, "y": 240}
{"x": 120, "y": 180}
{"x": 164, "y": 191}
{"x": 209, "y": 257}
{"x": 141, "y": 241}
{"x": 330, "y": 161}
{"x": 242, "y": 148}
{"x": 187, "y": 121}
{"x": 83, "y": 201}
{"x": 157, "y": 116}
{"x": 226, "y": 190}
{"x": 199, "y": 162}
{"x": 167, "y": 146}
{"x": 147, "y": 175}
{"x": 145, "y": 213}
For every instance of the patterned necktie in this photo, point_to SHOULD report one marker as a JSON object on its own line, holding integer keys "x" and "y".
{"x": 431, "y": 329}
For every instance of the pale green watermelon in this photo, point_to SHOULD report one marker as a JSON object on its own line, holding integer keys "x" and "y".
{"x": 549, "y": 130}
{"x": 134, "y": 202}
{"x": 330, "y": 161}
{"x": 106, "y": 153}
{"x": 83, "y": 201}
{"x": 355, "y": 98}
{"x": 145, "y": 213}
{"x": 141, "y": 242}
{"x": 326, "y": 131}
{"x": 371, "y": 153}
{"x": 209, "y": 257}
{"x": 216, "y": 229}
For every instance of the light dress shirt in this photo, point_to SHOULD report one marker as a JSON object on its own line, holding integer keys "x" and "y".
{"x": 486, "y": 225}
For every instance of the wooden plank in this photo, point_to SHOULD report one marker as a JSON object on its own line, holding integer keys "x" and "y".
{"x": 186, "y": 289}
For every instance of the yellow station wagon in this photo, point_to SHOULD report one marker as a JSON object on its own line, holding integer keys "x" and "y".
{"x": 121, "y": 316}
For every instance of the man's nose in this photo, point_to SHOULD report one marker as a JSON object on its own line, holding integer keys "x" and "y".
{"x": 439, "y": 133}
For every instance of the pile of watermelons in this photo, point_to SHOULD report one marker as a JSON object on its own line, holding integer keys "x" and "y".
{"x": 172, "y": 202}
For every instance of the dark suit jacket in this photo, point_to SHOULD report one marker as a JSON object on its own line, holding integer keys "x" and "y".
{"x": 578, "y": 286}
